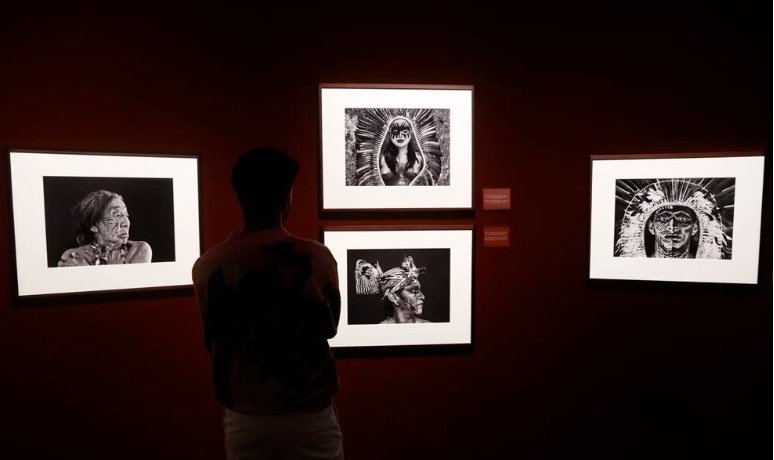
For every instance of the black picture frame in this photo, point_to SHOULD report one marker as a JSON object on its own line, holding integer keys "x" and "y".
{"x": 443, "y": 258}
{"x": 162, "y": 196}
{"x": 354, "y": 120}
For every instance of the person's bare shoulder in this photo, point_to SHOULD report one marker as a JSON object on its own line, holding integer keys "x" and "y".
{"x": 139, "y": 252}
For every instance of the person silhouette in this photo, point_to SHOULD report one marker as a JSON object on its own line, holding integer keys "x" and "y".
{"x": 268, "y": 302}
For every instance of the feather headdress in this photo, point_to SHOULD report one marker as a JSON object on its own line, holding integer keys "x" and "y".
{"x": 372, "y": 135}
{"x": 713, "y": 237}
{"x": 369, "y": 279}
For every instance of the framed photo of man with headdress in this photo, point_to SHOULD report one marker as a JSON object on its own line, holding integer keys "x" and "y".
{"x": 87, "y": 222}
{"x": 687, "y": 218}
{"x": 403, "y": 286}
{"x": 396, "y": 147}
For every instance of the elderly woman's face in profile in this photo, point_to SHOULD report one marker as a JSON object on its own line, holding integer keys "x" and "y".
{"x": 113, "y": 228}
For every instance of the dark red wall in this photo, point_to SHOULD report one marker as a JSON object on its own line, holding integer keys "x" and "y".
{"x": 561, "y": 367}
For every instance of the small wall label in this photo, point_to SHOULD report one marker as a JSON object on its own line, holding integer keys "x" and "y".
{"x": 497, "y": 199}
{"x": 497, "y": 237}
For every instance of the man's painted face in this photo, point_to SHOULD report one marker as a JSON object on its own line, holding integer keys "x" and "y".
{"x": 410, "y": 298}
{"x": 400, "y": 133}
{"x": 673, "y": 227}
{"x": 113, "y": 228}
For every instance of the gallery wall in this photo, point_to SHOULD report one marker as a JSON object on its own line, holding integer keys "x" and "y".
{"x": 560, "y": 366}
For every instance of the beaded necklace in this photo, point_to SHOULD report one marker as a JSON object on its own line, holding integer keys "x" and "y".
{"x": 102, "y": 254}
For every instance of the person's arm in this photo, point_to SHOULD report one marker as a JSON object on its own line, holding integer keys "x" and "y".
{"x": 387, "y": 174}
{"x": 200, "y": 292}
{"x": 417, "y": 167}
{"x": 76, "y": 257}
{"x": 332, "y": 296}
{"x": 330, "y": 328}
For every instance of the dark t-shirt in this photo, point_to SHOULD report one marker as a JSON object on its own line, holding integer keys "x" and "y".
{"x": 268, "y": 302}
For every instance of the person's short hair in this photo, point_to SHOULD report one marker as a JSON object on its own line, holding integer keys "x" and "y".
{"x": 262, "y": 179}
{"x": 89, "y": 211}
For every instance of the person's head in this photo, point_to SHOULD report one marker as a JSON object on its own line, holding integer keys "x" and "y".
{"x": 102, "y": 219}
{"x": 400, "y": 287}
{"x": 673, "y": 228}
{"x": 400, "y": 136}
{"x": 400, "y": 132}
{"x": 263, "y": 181}
{"x": 409, "y": 298}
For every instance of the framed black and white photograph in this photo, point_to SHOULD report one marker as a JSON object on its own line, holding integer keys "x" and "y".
{"x": 380, "y": 142}
{"x": 692, "y": 218}
{"x": 403, "y": 286}
{"x": 89, "y": 222}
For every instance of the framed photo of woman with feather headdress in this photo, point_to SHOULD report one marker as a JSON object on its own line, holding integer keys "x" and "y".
{"x": 687, "y": 218}
{"x": 379, "y": 143}
{"x": 403, "y": 286}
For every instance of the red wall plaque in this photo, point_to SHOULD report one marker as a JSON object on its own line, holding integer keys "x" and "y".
{"x": 497, "y": 199}
{"x": 497, "y": 237}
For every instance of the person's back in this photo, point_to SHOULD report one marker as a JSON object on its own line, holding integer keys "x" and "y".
{"x": 269, "y": 301}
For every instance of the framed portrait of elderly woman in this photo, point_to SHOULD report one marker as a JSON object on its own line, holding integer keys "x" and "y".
{"x": 684, "y": 218}
{"x": 403, "y": 286}
{"x": 396, "y": 147}
{"x": 94, "y": 222}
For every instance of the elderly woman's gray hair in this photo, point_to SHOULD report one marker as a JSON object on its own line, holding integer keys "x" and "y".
{"x": 89, "y": 211}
